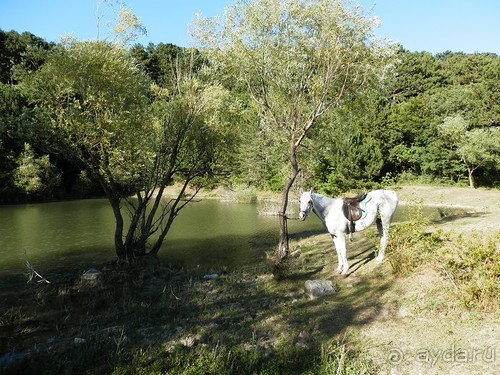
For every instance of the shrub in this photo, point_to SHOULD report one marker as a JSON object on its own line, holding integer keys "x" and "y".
{"x": 244, "y": 194}
{"x": 410, "y": 244}
{"x": 473, "y": 265}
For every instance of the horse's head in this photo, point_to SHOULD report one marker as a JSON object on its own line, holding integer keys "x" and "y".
{"x": 306, "y": 204}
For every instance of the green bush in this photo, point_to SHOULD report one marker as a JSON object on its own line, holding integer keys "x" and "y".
{"x": 410, "y": 244}
{"x": 244, "y": 194}
{"x": 473, "y": 265}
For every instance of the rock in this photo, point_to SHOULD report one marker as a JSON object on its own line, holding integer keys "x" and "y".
{"x": 91, "y": 275}
{"x": 318, "y": 288}
{"x": 212, "y": 276}
{"x": 404, "y": 312}
{"x": 304, "y": 340}
{"x": 79, "y": 341}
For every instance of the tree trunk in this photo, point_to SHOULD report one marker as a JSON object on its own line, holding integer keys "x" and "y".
{"x": 283, "y": 247}
{"x": 121, "y": 251}
{"x": 471, "y": 177}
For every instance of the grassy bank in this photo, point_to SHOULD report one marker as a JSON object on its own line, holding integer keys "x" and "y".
{"x": 156, "y": 320}
{"x": 147, "y": 318}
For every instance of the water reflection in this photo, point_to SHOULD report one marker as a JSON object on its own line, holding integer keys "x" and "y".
{"x": 64, "y": 239}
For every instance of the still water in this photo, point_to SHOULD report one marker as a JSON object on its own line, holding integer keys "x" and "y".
{"x": 64, "y": 239}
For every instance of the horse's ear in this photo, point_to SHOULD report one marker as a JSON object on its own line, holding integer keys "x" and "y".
{"x": 311, "y": 191}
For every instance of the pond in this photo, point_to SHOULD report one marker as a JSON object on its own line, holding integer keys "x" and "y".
{"x": 64, "y": 239}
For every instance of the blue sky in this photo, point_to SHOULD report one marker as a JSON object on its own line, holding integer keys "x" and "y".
{"x": 419, "y": 25}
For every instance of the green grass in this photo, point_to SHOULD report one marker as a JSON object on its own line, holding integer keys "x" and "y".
{"x": 471, "y": 264}
{"x": 473, "y": 267}
{"x": 150, "y": 319}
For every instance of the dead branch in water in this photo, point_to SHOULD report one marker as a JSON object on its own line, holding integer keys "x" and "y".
{"x": 32, "y": 274}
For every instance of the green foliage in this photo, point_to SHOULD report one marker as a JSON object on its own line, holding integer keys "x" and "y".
{"x": 106, "y": 117}
{"x": 96, "y": 100}
{"x": 410, "y": 244}
{"x": 297, "y": 59}
{"x": 473, "y": 265}
{"x": 19, "y": 54}
{"x": 127, "y": 27}
{"x": 244, "y": 194}
{"x": 82, "y": 185}
{"x": 393, "y": 127}
{"x": 35, "y": 176}
{"x": 475, "y": 148}
{"x": 164, "y": 63}
{"x": 341, "y": 163}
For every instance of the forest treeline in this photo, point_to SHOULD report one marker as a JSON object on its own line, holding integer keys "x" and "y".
{"x": 436, "y": 119}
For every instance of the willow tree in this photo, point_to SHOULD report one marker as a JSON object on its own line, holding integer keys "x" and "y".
{"x": 298, "y": 59}
{"x": 135, "y": 138}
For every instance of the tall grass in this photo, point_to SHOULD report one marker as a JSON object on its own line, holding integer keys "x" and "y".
{"x": 410, "y": 243}
{"x": 243, "y": 194}
{"x": 331, "y": 358}
{"x": 473, "y": 266}
{"x": 340, "y": 357}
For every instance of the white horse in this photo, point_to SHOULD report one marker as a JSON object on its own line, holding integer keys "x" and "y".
{"x": 330, "y": 212}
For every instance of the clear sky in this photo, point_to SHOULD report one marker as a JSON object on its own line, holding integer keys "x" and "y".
{"x": 419, "y": 25}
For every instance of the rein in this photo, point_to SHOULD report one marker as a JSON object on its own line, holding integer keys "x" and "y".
{"x": 288, "y": 217}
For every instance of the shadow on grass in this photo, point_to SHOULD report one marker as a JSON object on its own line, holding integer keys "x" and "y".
{"x": 163, "y": 320}
{"x": 451, "y": 215}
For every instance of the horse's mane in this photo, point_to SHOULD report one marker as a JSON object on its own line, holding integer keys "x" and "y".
{"x": 322, "y": 204}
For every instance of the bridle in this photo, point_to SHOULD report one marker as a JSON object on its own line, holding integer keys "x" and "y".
{"x": 304, "y": 213}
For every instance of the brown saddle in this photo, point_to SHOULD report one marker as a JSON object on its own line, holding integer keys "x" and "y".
{"x": 352, "y": 210}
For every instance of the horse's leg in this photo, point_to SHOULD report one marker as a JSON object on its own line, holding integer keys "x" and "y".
{"x": 383, "y": 225}
{"x": 339, "y": 259}
{"x": 386, "y": 210}
{"x": 339, "y": 241}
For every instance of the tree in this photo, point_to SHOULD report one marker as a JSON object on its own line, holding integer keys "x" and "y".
{"x": 35, "y": 176}
{"x": 122, "y": 26}
{"x": 19, "y": 55}
{"x": 298, "y": 60}
{"x": 480, "y": 147}
{"x": 476, "y": 147}
{"x": 132, "y": 137}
